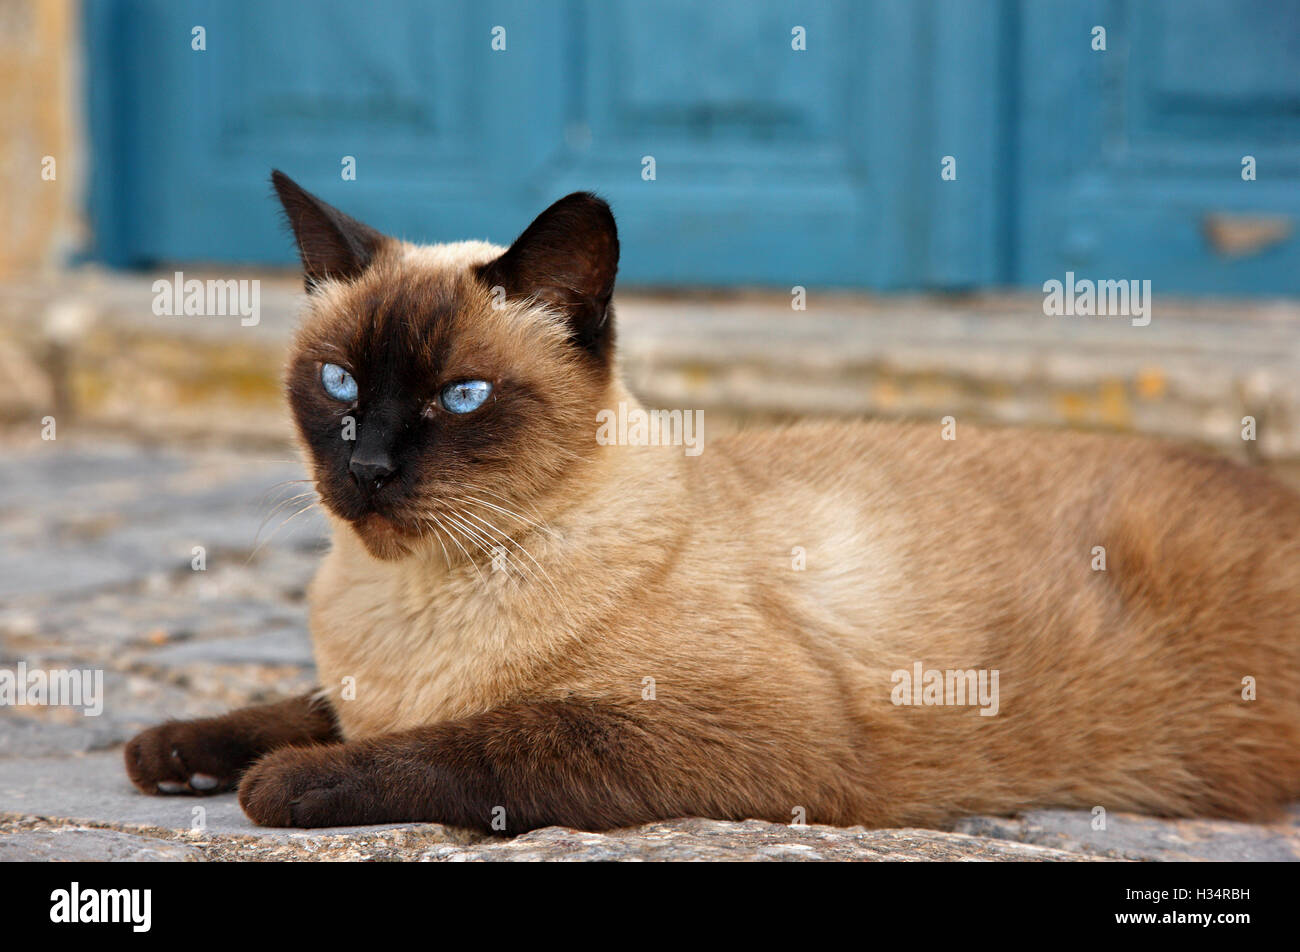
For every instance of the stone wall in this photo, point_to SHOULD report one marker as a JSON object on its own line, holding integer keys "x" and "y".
{"x": 40, "y": 107}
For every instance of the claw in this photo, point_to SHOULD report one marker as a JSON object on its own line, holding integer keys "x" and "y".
{"x": 202, "y": 781}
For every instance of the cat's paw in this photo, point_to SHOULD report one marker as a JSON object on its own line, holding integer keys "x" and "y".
{"x": 188, "y": 757}
{"x": 309, "y": 787}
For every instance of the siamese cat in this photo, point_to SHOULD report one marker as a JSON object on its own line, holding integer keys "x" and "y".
{"x": 519, "y": 624}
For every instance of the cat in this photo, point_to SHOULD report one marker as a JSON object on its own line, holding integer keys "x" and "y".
{"x": 518, "y": 625}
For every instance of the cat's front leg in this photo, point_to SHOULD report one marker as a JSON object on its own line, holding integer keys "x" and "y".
{"x": 208, "y": 755}
{"x": 574, "y": 763}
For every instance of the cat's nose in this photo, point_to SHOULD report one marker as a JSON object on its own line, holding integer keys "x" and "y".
{"x": 371, "y": 469}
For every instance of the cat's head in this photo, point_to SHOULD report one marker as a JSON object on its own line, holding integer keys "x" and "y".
{"x": 444, "y": 390}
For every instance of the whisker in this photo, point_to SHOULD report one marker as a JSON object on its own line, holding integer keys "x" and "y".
{"x": 311, "y": 505}
{"x": 263, "y": 498}
{"x": 487, "y": 545}
{"x": 505, "y": 499}
{"x": 557, "y": 550}
{"x": 462, "y": 548}
{"x": 437, "y": 534}
{"x": 473, "y": 536}
{"x": 545, "y": 577}
{"x": 507, "y": 512}
{"x": 278, "y": 507}
{"x": 517, "y": 544}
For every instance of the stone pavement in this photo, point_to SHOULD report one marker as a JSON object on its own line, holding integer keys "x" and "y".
{"x": 96, "y": 549}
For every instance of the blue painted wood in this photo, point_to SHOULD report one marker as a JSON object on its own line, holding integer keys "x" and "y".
{"x": 773, "y": 166}
{"x": 1125, "y": 156}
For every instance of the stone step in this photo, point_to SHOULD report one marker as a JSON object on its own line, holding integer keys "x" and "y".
{"x": 89, "y": 349}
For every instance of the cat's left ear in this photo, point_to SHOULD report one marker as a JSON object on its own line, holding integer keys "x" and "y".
{"x": 331, "y": 244}
{"x": 566, "y": 258}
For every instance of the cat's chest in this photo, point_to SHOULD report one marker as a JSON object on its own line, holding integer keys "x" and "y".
{"x": 393, "y": 654}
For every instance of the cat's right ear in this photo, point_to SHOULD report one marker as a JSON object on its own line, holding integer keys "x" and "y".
{"x": 567, "y": 259}
{"x": 330, "y": 243}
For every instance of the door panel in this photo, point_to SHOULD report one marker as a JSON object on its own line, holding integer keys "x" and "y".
{"x": 1131, "y": 159}
{"x": 447, "y": 135}
{"x": 773, "y": 166}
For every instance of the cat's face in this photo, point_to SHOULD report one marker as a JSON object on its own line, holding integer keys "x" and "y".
{"x": 442, "y": 392}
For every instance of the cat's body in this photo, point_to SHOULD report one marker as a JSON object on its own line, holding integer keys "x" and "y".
{"x": 971, "y": 553}
{"x": 612, "y": 634}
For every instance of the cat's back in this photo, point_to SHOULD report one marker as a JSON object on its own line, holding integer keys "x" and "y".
{"x": 949, "y": 473}
{"x": 944, "y": 511}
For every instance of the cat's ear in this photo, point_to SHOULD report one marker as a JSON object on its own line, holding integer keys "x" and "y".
{"x": 567, "y": 258}
{"x": 331, "y": 244}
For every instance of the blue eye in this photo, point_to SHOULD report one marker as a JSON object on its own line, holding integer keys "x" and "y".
{"x": 338, "y": 383}
{"x": 465, "y": 396}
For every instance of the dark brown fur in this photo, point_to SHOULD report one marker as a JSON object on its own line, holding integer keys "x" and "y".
{"x": 223, "y": 747}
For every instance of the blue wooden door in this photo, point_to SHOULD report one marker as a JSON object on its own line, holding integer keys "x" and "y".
{"x": 447, "y": 138}
{"x": 1130, "y": 160}
{"x": 772, "y": 165}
